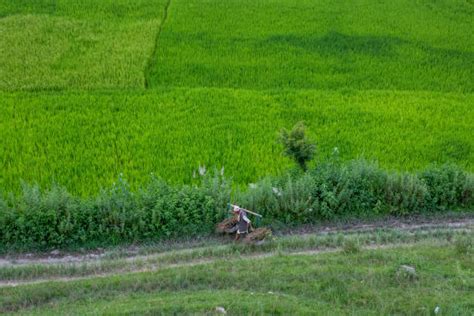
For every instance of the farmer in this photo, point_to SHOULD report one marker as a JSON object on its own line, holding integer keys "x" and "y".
{"x": 243, "y": 223}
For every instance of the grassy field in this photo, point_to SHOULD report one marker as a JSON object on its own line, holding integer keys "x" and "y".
{"x": 84, "y": 141}
{"x": 66, "y": 44}
{"x": 363, "y": 282}
{"x": 274, "y": 44}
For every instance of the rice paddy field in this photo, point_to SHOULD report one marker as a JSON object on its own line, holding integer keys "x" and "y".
{"x": 324, "y": 44}
{"x": 67, "y": 44}
{"x": 84, "y": 141}
{"x": 93, "y": 89}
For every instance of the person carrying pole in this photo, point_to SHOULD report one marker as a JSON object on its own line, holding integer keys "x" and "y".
{"x": 243, "y": 223}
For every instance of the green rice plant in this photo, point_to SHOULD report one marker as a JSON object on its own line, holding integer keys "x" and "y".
{"x": 68, "y": 44}
{"x": 288, "y": 44}
{"x": 83, "y": 141}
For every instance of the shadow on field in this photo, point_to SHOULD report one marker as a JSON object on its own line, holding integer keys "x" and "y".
{"x": 338, "y": 44}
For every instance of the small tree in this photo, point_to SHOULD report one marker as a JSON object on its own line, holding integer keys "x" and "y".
{"x": 297, "y": 146}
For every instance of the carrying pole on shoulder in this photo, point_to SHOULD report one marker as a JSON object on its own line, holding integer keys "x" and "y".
{"x": 253, "y": 213}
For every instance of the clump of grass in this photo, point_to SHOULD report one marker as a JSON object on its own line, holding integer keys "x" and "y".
{"x": 464, "y": 245}
{"x": 351, "y": 246}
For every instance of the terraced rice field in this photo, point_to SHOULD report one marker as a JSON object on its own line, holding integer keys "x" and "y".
{"x": 93, "y": 89}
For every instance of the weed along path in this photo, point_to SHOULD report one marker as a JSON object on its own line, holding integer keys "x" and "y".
{"x": 100, "y": 264}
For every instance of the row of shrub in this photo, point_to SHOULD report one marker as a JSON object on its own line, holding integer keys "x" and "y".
{"x": 54, "y": 218}
{"x": 359, "y": 189}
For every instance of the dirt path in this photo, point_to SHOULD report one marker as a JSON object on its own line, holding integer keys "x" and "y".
{"x": 191, "y": 264}
{"x": 57, "y": 257}
{"x": 152, "y": 260}
{"x": 400, "y": 224}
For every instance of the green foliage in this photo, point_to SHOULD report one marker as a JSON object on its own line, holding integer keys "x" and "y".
{"x": 356, "y": 189}
{"x": 406, "y": 193}
{"x": 449, "y": 186}
{"x": 53, "y": 218}
{"x": 297, "y": 145}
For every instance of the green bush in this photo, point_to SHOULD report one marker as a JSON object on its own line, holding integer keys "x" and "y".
{"x": 358, "y": 189}
{"x": 297, "y": 145}
{"x": 405, "y": 193}
{"x": 449, "y": 187}
{"x": 54, "y": 218}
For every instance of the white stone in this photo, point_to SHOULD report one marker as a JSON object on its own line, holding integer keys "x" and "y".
{"x": 221, "y": 310}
